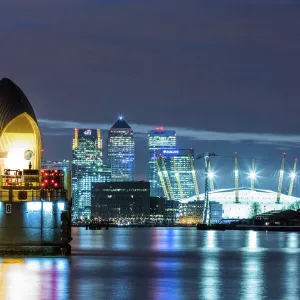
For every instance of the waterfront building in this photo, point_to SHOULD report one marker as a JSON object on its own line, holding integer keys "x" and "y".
{"x": 87, "y": 167}
{"x": 121, "y": 151}
{"x": 158, "y": 139}
{"x": 177, "y": 171}
{"x": 157, "y": 210}
{"x": 191, "y": 212}
{"x": 171, "y": 212}
{"x": 121, "y": 202}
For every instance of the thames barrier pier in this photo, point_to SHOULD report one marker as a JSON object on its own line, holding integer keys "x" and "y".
{"x": 35, "y": 204}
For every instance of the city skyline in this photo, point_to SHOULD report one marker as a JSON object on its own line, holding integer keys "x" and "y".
{"x": 226, "y": 72}
{"x": 222, "y": 165}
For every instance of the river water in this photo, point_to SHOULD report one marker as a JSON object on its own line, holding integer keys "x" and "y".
{"x": 161, "y": 263}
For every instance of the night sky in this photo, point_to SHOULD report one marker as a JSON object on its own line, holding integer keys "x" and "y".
{"x": 224, "y": 74}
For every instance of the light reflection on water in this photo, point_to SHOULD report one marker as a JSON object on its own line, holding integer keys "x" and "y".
{"x": 34, "y": 278}
{"x": 161, "y": 263}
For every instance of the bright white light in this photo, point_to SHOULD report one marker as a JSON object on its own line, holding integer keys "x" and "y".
{"x": 34, "y": 206}
{"x": 61, "y": 206}
{"x": 47, "y": 206}
{"x": 15, "y": 159}
{"x": 211, "y": 175}
{"x": 293, "y": 175}
{"x": 121, "y": 118}
{"x": 252, "y": 175}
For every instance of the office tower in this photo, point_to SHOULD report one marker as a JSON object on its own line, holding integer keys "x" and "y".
{"x": 87, "y": 167}
{"x": 121, "y": 152}
{"x": 177, "y": 172}
{"x": 158, "y": 139}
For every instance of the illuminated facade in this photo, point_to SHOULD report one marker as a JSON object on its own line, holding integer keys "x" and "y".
{"x": 121, "y": 151}
{"x": 87, "y": 167}
{"x": 158, "y": 139}
{"x": 20, "y": 138}
{"x": 189, "y": 212}
{"x": 265, "y": 200}
{"x": 176, "y": 166}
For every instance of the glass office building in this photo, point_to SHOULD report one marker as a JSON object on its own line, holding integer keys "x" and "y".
{"x": 87, "y": 167}
{"x": 177, "y": 167}
{"x": 121, "y": 151}
{"x": 158, "y": 139}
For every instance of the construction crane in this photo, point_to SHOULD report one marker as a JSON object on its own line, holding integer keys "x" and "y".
{"x": 194, "y": 178}
{"x": 162, "y": 181}
{"x": 206, "y": 211}
{"x": 176, "y": 174}
{"x": 252, "y": 175}
{"x": 179, "y": 185}
{"x": 236, "y": 178}
{"x": 165, "y": 172}
{"x": 211, "y": 177}
{"x": 293, "y": 175}
{"x": 280, "y": 179}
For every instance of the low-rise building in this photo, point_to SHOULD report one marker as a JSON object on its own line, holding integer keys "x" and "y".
{"x": 121, "y": 202}
{"x": 157, "y": 210}
{"x": 191, "y": 212}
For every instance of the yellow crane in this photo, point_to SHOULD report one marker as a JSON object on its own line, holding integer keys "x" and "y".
{"x": 162, "y": 181}
{"x": 177, "y": 179}
{"x": 194, "y": 178}
{"x": 179, "y": 185}
{"x": 165, "y": 172}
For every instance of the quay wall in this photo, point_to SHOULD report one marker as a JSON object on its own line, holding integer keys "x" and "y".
{"x": 31, "y": 223}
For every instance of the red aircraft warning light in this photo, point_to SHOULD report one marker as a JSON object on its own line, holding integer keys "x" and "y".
{"x": 52, "y": 179}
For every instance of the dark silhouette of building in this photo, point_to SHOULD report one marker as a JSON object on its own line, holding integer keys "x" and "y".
{"x": 121, "y": 202}
{"x": 157, "y": 210}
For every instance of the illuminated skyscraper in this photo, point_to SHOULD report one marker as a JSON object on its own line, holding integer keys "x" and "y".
{"x": 158, "y": 139}
{"x": 178, "y": 165}
{"x": 121, "y": 152}
{"x": 87, "y": 167}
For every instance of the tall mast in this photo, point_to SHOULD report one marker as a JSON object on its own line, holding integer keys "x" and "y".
{"x": 236, "y": 178}
{"x": 280, "y": 179}
{"x": 293, "y": 175}
{"x": 252, "y": 175}
{"x": 210, "y": 175}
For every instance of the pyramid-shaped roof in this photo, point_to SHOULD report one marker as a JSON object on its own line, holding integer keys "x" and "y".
{"x": 121, "y": 124}
{"x": 13, "y": 103}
